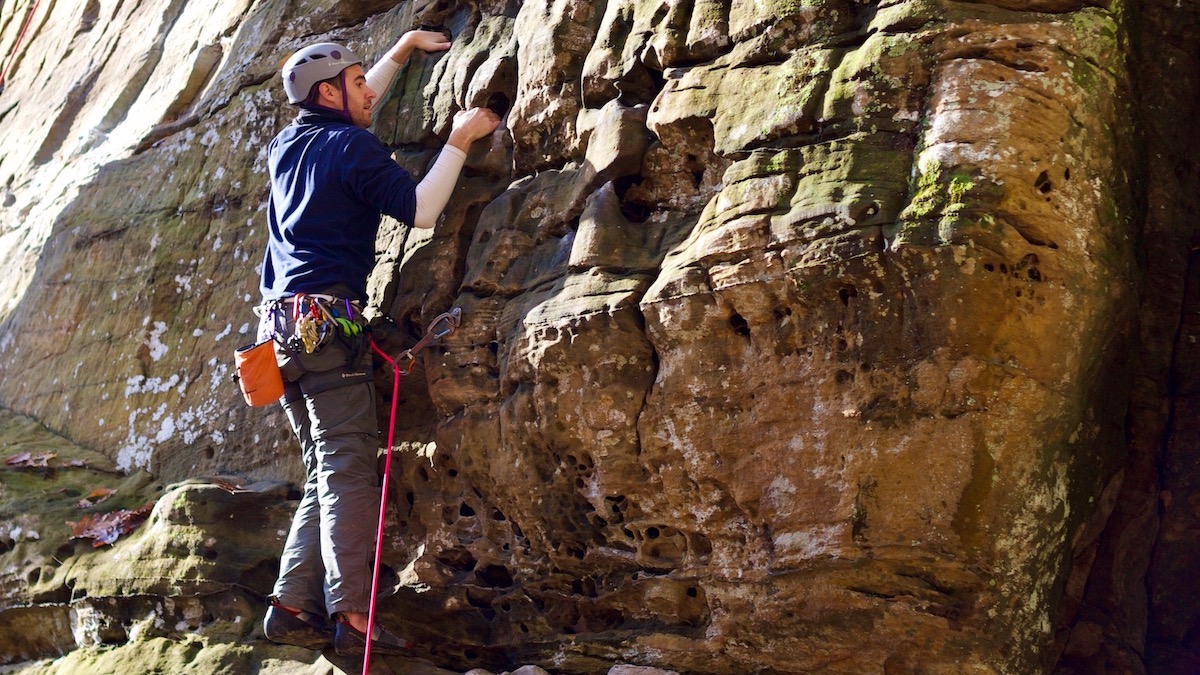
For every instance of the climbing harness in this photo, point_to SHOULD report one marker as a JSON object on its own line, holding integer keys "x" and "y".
{"x": 17, "y": 45}
{"x": 318, "y": 319}
{"x": 441, "y": 326}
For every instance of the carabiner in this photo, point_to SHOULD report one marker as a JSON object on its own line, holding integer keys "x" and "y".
{"x": 445, "y": 323}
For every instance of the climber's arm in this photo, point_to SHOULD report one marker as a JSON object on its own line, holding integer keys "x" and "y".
{"x": 434, "y": 190}
{"x": 381, "y": 75}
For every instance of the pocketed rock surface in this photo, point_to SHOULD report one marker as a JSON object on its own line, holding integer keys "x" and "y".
{"x": 818, "y": 337}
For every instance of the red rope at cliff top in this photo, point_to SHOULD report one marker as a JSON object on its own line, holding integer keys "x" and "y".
{"x": 12, "y": 56}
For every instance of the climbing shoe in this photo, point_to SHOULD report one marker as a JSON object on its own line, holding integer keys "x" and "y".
{"x": 350, "y": 642}
{"x": 302, "y": 630}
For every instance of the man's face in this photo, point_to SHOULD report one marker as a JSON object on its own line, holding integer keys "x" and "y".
{"x": 359, "y": 97}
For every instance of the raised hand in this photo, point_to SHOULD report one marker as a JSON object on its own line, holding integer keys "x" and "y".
{"x": 472, "y": 125}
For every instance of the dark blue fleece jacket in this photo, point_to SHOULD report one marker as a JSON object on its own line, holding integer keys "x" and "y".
{"x": 330, "y": 181}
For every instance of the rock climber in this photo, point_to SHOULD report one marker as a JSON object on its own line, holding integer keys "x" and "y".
{"x": 330, "y": 181}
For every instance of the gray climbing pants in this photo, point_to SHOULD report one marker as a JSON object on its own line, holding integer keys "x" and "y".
{"x": 326, "y": 562}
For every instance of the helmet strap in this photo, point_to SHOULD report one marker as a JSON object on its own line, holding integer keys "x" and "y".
{"x": 345, "y": 97}
{"x": 344, "y": 113}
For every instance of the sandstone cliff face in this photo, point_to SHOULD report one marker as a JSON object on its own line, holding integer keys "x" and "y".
{"x": 798, "y": 337}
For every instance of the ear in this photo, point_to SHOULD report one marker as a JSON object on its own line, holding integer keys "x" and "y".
{"x": 328, "y": 92}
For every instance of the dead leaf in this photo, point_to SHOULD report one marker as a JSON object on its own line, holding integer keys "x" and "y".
{"x": 29, "y": 460}
{"x": 229, "y": 486}
{"x": 106, "y": 528}
{"x": 96, "y": 496}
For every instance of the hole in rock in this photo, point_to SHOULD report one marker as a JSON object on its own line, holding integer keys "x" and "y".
{"x": 847, "y": 292}
{"x": 651, "y": 533}
{"x": 497, "y": 515}
{"x": 691, "y": 592}
{"x": 1042, "y": 183}
{"x": 634, "y": 212}
{"x": 458, "y": 559}
{"x": 465, "y": 511}
{"x": 844, "y": 376}
{"x": 640, "y": 86}
{"x": 478, "y": 600}
{"x": 989, "y": 267}
{"x": 495, "y": 575}
{"x": 739, "y": 325}
{"x": 498, "y": 103}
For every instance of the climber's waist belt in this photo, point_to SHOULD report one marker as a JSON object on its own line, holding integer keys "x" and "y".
{"x": 329, "y": 299}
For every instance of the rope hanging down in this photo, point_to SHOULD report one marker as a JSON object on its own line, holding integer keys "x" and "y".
{"x": 12, "y": 56}
{"x": 442, "y": 326}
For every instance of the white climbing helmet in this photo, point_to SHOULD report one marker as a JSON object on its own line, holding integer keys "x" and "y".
{"x": 313, "y": 64}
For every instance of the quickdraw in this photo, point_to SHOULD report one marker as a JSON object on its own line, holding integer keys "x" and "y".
{"x": 443, "y": 325}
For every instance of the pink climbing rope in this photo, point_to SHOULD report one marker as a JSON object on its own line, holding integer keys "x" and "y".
{"x": 12, "y": 56}
{"x": 441, "y": 326}
{"x": 387, "y": 471}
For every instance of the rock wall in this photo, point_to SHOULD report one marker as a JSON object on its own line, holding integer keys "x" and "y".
{"x": 797, "y": 337}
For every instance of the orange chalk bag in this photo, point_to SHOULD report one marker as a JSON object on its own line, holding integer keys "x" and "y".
{"x": 258, "y": 373}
